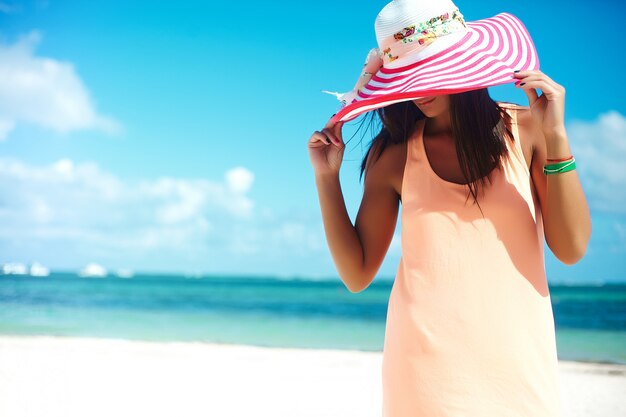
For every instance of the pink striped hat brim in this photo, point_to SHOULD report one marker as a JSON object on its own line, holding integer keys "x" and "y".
{"x": 485, "y": 56}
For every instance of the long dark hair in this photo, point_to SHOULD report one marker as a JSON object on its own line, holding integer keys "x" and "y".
{"x": 479, "y": 126}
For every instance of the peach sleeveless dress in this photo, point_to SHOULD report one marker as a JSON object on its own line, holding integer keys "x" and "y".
{"x": 470, "y": 328}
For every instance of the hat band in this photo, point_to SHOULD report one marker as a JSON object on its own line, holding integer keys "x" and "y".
{"x": 417, "y": 37}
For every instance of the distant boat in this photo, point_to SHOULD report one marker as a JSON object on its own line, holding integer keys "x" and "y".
{"x": 93, "y": 270}
{"x": 14, "y": 268}
{"x": 125, "y": 273}
{"x": 38, "y": 270}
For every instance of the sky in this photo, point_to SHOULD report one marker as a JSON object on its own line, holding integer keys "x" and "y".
{"x": 171, "y": 137}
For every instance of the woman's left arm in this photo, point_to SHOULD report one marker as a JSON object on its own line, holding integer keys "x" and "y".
{"x": 566, "y": 219}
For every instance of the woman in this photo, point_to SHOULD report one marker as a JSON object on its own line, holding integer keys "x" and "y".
{"x": 469, "y": 328}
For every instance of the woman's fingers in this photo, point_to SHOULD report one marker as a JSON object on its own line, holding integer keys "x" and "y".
{"x": 326, "y": 133}
{"x": 331, "y": 135}
{"x": 334, "y": 127}
{"x": 321, "y": 137}
{"x": 535, "y": 76}
{"x": 330, "y": 122}
{"x": 337, "y": 129}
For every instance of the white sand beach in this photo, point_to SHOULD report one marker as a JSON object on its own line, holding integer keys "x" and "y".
{"x": 72, "y": 377}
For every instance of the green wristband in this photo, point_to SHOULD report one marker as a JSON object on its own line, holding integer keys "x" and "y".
{"x": 559, "y": 168}
{"x": 558, "y": 165}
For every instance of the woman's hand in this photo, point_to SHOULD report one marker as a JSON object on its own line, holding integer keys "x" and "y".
{"x": 548, "y": 109}
{"x": 326, "y": 149}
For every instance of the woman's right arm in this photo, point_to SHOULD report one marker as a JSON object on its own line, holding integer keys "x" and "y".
{"x": 358, "y": 251}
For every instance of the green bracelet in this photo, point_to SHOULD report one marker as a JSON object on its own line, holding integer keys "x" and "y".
{"x": 560, "y": 167}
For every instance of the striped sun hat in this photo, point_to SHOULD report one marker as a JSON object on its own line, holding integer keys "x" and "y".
{"x": 426, "y": 48}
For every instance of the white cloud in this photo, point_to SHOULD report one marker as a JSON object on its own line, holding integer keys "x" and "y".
{"x": 187, "y": 197}
{"x": 600, "y": 151}
{"x": 239, "y": 180}
{"x": 44, "y": 92}
{"x": 69, "y": 200}
{"x": 80, "y": 207}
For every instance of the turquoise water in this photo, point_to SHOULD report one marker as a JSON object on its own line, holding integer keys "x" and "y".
{"x": 590, "y": 321}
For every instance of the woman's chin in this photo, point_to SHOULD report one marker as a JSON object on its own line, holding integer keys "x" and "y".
{"x": 427, "y": 112}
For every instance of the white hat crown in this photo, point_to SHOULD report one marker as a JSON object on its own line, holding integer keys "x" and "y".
{"x": 399, "y": 14}
{"x": 405, "y": 29}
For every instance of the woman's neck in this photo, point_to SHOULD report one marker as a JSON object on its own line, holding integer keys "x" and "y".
{"x": 438, "y": 125}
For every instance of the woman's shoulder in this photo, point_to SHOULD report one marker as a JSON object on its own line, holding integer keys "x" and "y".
{"x": 522, "y": 114}
{"x": 523, "y": 120}
{"x": 384, "y": 152}
{"x": 509, "y": 106}
{"x": 385, "y": 163}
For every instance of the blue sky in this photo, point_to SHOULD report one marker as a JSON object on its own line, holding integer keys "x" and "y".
{"x": 171, "y": 136}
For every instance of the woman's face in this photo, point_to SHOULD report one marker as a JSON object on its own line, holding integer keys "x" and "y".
{"x": 433, "y": 106}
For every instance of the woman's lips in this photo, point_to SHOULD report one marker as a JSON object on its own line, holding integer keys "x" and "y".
{"x": 426, "y": 102}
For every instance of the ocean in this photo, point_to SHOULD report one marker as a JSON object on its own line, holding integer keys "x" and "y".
{"x": 590, "y": 320}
